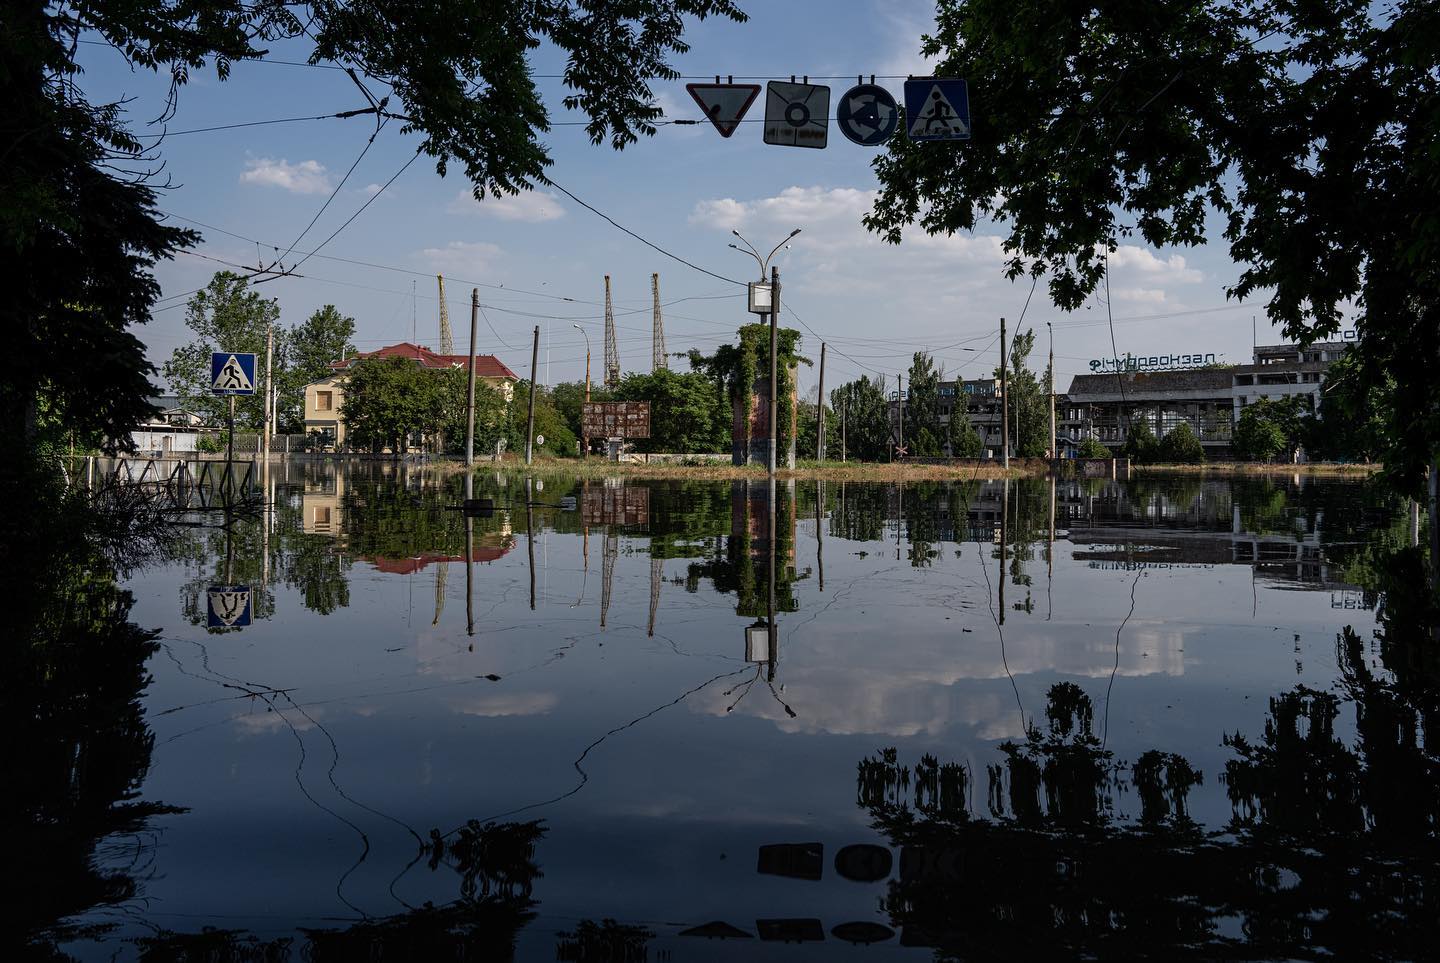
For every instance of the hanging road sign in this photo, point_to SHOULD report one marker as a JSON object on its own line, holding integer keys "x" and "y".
{"x": 937, "y": 108}
{"x": 232, "y": 373}
{"x": 724, "y": 104}
{"x": 867, "y": 115}
{"x": 227, "y": 606}
{"x": 797, "y": 115}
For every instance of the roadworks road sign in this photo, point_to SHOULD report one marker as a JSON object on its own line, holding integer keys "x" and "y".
{"x": 724, "y": 104}
{"x": 232, "y": 373}
{"x": 797, "y": 115}
{"x": 937, "y": 108}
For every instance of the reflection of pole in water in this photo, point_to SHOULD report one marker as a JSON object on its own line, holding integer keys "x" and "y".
{"x": 657, "y": 566}
{"x": 609, "y": 550}
{"x": 530, "y": 538}
{"x": 469, "y": 556}
{"x": 442, "y": 569}
{"x": 770, "y": 605}
{"x": 819, "y": 537}
{"x": 1050, "y": 555}
{"x": 1004, "y": 535}
{"x": 899, "y": 516}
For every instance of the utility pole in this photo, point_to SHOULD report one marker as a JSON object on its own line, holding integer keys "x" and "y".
{"x": 266, "y": 417}
{"x": 900, "y": 385}
{"x": 820, "y": 412}
{"x": 844, "y": 406}
{"x": 774, "y": 373}
{"x": 1004, "y": 403}
{"x": 1054, "y": 452}
{"x": 530, "y": 419}
{"x": 470, "y": 382}
{"x": 585, "y": 441}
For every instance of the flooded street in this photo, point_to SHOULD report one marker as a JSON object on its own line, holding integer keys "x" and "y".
{"x": 609, "y": 720}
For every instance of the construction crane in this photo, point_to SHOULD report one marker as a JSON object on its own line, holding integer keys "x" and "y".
{"x": 447, "y": 337}
{"x": 657, "y": 335}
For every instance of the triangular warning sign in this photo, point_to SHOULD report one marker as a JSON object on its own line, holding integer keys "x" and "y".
{"x": 232, "y": 377}
{"x": 938, "y": 118}
{"x": 724, "y": 104}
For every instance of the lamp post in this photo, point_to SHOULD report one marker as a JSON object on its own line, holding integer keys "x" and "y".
{"x": 765, "y": 299}
{"x": 585, "y": 442}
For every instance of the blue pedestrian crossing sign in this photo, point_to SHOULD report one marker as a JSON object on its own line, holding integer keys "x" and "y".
{"x": 937, "y": 108}
{"x": 232, "y": 373}
{"x": 227, "y": 606}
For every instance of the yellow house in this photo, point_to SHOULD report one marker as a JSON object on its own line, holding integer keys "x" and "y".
{"x": 325, "y": 398}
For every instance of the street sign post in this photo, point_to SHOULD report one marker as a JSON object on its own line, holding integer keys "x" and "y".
{"x": 227, "y": 606}
{"x": 937, "y": 108}
{"x": 797, "y": 115}
{"x": 724, "y": 104}
{"x": 867, "y": 115}
{"x": 615, "y": 419}
{"x": 232, "y": 373}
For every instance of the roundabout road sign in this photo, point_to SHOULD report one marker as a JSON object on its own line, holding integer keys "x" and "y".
{"x": 867, "y": 115}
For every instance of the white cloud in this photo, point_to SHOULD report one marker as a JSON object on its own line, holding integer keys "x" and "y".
{"x": 511, "y": 704}
{"x": 370, "y": 189}
{"x": 306, "y": 177}
{"x": 1173, "y": 268}
{"x": 532, "y": 207}
{"x": 1139, "y": 295}
{"x": 461, "y": 258}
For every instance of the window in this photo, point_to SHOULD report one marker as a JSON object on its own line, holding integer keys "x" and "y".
{"x": 1245, "y": 379}
{"x": 324, "y": 401}
{"x": 1243, "y": 399}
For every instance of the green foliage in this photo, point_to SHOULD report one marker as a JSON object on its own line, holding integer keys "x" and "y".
{"x": 867, "y": 418}
{"x": 1354, "y": 425}
{"x": 686, "y": 416}
{"x": 491, "y": 413}
{"x": 559, "y": 439}
{"x": 1093, "y": 448}
{"x": 1141, "y": 446}
{"x": 1029, "y": 400}
{"x": 389, "y": 399}
{"x": 737, "y": 367}
{"x": 1260, "y": 433}
{"x": 1181, "y": 447}
{"x": 922, "y": 407}
{"x": 225, "y": 315}
{"x": 1301, "y": 134}
{"x": 569, "y": 396}
{"x": 309, "y": 347}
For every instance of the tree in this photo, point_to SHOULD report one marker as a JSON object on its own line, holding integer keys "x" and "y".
{"x": 1353, "y": 423}
{"x": 310, "y": 346}
{"x": 492, "y": 415}
{"x": 1141, "y": 446}
{"x": 225, "y": 315}
{"x": 684, "y": 413}
{"x": 559, "y": 440}
{"x": 80, "y": 228}
{"x": 387, "y": 400}
{"x": 1093, "y": 448}
{"x": 1029, "y": 400}
{"x": 569, "y": 396}
{"x": 867, "y": 418}
{"x": 1307, "y": 128}
{"x": 1259, "y": 435}
{"x": 1181, "y": 447}
{"x": 922, "y": 406}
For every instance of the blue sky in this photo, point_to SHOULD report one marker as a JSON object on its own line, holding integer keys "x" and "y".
{"x": 684, "y": 189}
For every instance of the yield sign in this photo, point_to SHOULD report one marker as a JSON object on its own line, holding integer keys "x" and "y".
{"x": 724, "y": 104}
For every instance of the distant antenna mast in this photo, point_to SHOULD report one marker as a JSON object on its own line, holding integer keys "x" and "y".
{"x": 447, "y": 337}
{"x": 657, "y": 336}
{"x": 612, "y": 353}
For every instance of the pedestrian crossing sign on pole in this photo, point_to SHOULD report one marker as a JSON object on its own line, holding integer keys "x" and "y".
{"x": 227, "y": 606}
{"x": 232, "y": 373}
{"x": 937, "y": 108}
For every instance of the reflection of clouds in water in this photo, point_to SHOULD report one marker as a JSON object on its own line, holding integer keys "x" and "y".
{"x": 264, "y": 722}
{"x": 509, "y": 704}
{"x": 848, "y": 682}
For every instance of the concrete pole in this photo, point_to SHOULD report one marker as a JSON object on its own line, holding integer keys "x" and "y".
{"x": 470, "y": 393}
{"x": 1004, "y": 403}
{"x": 266, "y": 407}
{"x": 774, "y": 370}
{"x": 1054, "y": 452}
{"x": 530, "y": 419}
{"x": 820, "y": 412}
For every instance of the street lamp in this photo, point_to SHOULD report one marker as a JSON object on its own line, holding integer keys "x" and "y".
{"x": 585, "y": 442}
{"x": 765, "y": 299}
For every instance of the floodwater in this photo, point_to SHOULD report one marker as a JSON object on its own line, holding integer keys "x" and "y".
{"x": 620, "y": 721}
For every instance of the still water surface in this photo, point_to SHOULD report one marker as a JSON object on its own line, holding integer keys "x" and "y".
{"x": 1080, "y": 718}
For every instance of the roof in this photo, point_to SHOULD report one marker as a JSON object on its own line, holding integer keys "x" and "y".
{"x": 409, "y": 566}
{"x": 1143, "y": 383}
{"x": 486, "y": 365}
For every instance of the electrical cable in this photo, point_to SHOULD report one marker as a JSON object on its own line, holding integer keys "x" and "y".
{"x": 404, "y": 167}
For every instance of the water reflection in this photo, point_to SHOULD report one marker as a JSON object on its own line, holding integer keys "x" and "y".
{"x": 1114, "y": 728}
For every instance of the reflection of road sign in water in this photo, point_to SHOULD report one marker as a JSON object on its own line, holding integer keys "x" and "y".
{"x": 232, "y": 373}
{"x": 228, "y": 606}
{"x": 867, "y": 115}
{"x": 937, "y": 108}
{"x": 724, "y": 104}
{"x": 797, "y": 115}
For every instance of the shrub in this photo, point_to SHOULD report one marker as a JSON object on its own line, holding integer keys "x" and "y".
{"x": 1141, "y": 446}
{"x": 1092, "y": 448}
{"x": 1181, "y": 447}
